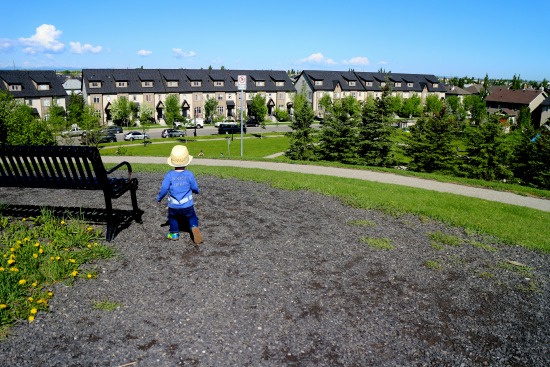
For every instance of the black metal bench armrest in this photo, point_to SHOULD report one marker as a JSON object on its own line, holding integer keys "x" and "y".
{"x": 120, "y": 165}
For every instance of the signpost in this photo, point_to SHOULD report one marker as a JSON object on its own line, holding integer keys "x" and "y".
{"x": 241, "y": 84}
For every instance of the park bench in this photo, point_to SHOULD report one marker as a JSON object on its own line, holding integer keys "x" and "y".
{"x": 67, "y": 167}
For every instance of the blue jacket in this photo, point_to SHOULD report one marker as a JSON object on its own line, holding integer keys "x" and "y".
{"x": 180, "y": 187}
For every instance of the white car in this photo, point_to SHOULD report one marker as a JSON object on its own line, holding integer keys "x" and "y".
{"x": 75, "y": 131}
{"x": 218, "y": 123}
{"x": 135, "y": 135}
{"x": 190, "y": 124}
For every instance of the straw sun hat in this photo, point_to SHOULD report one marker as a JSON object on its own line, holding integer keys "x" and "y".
{"x": 179, "y": 157}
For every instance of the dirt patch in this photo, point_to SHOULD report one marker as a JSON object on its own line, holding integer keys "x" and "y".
{"x": 288, "y": 278}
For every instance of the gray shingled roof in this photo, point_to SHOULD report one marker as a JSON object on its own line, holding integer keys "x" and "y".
{"x": 27, "y": 80}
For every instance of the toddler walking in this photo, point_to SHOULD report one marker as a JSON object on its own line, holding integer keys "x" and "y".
{"x": 180, "y": 185}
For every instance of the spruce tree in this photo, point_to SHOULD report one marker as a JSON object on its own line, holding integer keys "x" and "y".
{"x": 374, "y": 146}
{"x": 338, "y": 137}
{"x": 301, "y": 138}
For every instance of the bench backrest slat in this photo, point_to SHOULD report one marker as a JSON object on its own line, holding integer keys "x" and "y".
{"x": 71, "y": 167}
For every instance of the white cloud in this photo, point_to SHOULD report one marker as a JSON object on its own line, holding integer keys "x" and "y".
{"x": 358, "y": 60}
{"x": 382, "y": 62}
{"x": 317, "y": 58}
{"x": 77, "y": 48}
{"x": 180, "y": 54}
{"x": 6, "y": 44}
{"x": 44, "y": 40}
{"x": 144, "y": 52}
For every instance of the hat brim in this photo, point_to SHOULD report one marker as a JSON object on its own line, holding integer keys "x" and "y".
{"x": 183, "y": 164}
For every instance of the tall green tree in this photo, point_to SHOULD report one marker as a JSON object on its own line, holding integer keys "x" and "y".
{"x": 210, "y": 107}
{"x": 19, "y": 126}
{"x": 487, "y": 152}
{"x": 121, "y": 111}
{"x": 75, "y": 108}
{"x": 301, "y": 142}
{"x": 338, "y": 136}
{"x": 374, "y": 144}
{"x": 486, "y": 89}
{"x": 172, "y": 109}
{"x": 145, "y": 113}
{"x": 434, "y": 105}
{"x": 516, "y": 83}
{"x": 430, "y": 146}
{"x": 412, "y": 106}
{"x": 258, "y": 108}
{"x": 477, "y": 108}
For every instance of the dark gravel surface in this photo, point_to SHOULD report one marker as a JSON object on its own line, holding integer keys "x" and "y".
{"x": 288, "y": 279}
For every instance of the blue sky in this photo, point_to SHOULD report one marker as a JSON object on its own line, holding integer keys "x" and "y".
{"x": 446, "y": 38}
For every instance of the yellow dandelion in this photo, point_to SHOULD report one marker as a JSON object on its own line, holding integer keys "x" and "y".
{"x": 34, "y": 311}
{"x": 2, "y": 268}
{"x": 3, "y": 305}
{"x": 52, "y": 258}
{"x": 34, "y": 284}
{"x": 50, "y": 294}
{"x": 26, "y": 239}
{"x": 72, "y": 260}
{"x": 89, "y": 246}
{"x": 35, "y": 255}
{"x": 12, "y": 249}
{"x": 90, "y": 229}
{"x": 74, "y": 273}
{"x": 40, "y": 250}
{"x": 30, "y": 299}
{"x": 37, "y": 244}
{"x": 90, "y": 276}
{"x": 62, "y": 222}
{"x": 31, "y": 318}
{"x": 40, "y": 301}
{"x": 14, "y": 269}
{"x": 23, "y": 219}
{"x": 12, "y": 256}
{"x": 58, "y": 257}
{"x": 22, "y": 282}
{"x": 11, "y": 261}
{"x": 17, "y": 243}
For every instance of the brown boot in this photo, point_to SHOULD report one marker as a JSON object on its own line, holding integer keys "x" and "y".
{"x": 197, "y": 236}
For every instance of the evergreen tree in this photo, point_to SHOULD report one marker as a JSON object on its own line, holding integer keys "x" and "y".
{"x": 430, "y": 146}
{"x": 538, "y": 162}
{"x": 375, "y": 132}
{"x": 75, "y": 108}
{"x": 486, "y": 90}
{"x": 338, "y": 137}
{"x": 488, "y": 155}
{"x": 172, "y": 109}
{"x": 301, "y": 138}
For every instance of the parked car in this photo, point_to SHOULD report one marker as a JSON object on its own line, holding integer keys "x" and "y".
{"x": 218, "y": 123}
{"x": 97, "y": 137}
{"x": 252, "y": 122}
{"x": 135, "y": 135}
{"x": 172, "y": 133}
{"x": 75, "y": 131}
{"x": 230, "y": 129}
{"x": 190, "y": 124}
{"x": 115, "y": 129}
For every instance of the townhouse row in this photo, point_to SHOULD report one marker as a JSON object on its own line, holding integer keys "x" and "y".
{"x": 101, "y": 87}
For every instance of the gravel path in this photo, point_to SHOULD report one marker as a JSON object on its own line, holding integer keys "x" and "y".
{"x": 288, "y": 279}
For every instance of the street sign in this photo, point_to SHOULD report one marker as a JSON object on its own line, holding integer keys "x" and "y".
{"x": 241, "y": 82}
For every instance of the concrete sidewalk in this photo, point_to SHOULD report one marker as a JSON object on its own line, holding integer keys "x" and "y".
{"x": 486, "y": 194}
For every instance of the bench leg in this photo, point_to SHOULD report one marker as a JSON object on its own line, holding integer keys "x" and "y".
{"x": 137, "y": 213}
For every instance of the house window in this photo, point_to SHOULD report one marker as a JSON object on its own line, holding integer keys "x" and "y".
{"x": 281, "y": 96}
{"x": 354, "y": 95}
{"x": 96, "y": 100}
{"x": 196, "y": 83}
{"x": 148, "y": 98}
{"x": 218, "y": 84}
{"x": 352, "y": 84}
{"x": 220, "y": 110}
{"x": 43, "y": 87}
{"x": 15, "y": 87}
{"x": 220, "y": 97}
{"x": 121, "y": 84}
{"x": 383, "y": 84}
{"x": 368, "y": 84}
{"x": 435, "y": 85}
{"x": 198, "y": 111}
{"x": 197, "y": 97}
{"x": 410, "y": 85}
{"x": 147, "y": 84}
{"x": 318, "y": 82}
{"x": 397, "y": 84}
{"x": 280, "y": 84}
{"x": 173, "y": 83}
{"x": 95, "y": 85}
{"x": 260, "y": 83}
